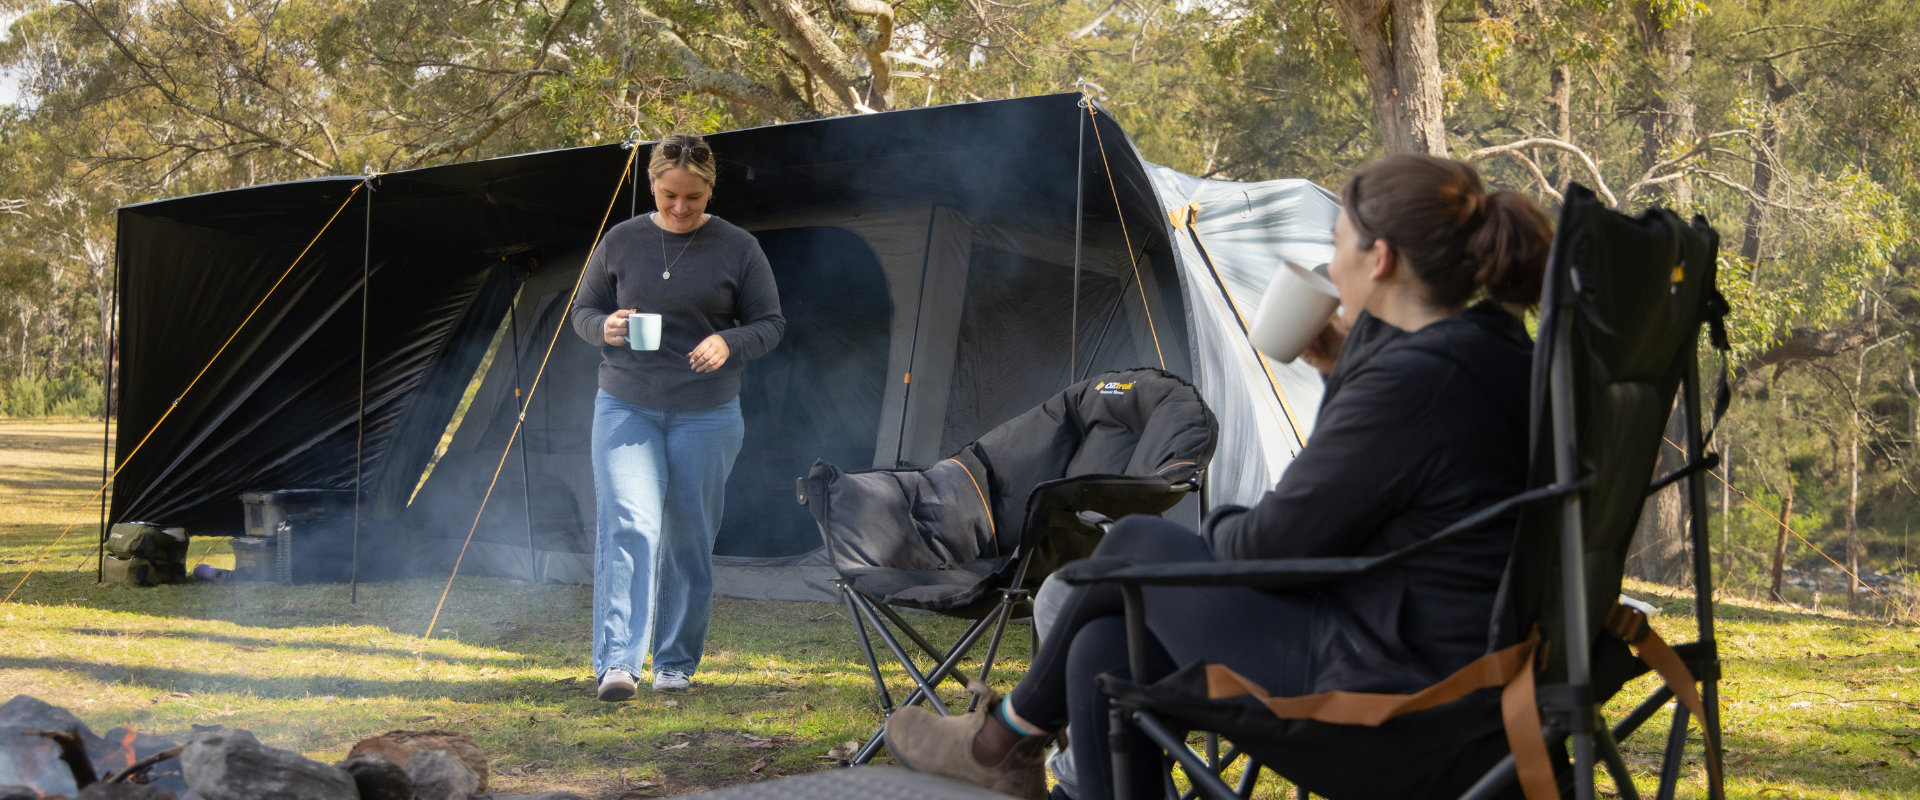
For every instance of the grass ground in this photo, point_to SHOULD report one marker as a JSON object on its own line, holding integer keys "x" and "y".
{"x": 1815, "y": 705}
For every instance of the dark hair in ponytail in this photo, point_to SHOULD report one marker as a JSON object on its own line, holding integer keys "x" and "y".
{"x": 1456, "y": 237}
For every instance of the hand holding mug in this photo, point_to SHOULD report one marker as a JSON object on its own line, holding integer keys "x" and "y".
{"x": 614, "y": 330}
{"x": 709, "y": 355}
{"x": 1325, "y": 347}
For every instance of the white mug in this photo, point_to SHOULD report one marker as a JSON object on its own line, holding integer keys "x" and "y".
{"x": 643, "y": 331}
{"x": 1296, "y": 306}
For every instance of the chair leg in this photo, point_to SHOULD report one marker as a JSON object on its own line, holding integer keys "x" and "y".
{"x": 1118, "y": 753}
{"x": 914, "y": 636}
{"x": 1641, "y": 713}
{"x": 921, "y": 689}
{"x": 1218, "y": 764}
{"x": 1676, "y": 754}
{"x": 1247, "y": 779}
{"x": 900, "y": 654}
{"x": 1616, "y": 766}
{"x": 866, "y": 646}
{"x": 1004, "y": 613}
{"x": 1202, "y": 778}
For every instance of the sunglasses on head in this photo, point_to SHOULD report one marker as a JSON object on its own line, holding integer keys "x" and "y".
{"x": 696, "y": 153}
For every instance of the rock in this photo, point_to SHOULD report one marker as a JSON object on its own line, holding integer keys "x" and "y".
{"x": 540, "y": 796}
{"x": 30, "y": 760}
{"x": 440, "y": 775}
{"x": 125, "y": 791}
{"x": 32, "y": 712}
{"x": 400, "y": 746}
{"x": 378, "y": 778}
{"x": 113, "y": 756}
{"x": 232, "y": 765}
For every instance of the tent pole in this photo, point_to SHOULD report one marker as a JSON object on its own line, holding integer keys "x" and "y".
{"x": 1079, "y": 198}
{"x": 520, "y": 402}
{"x": 1112, "y": 312}
{"x": 913, "y": 350}
{"x": 360, "y": 431}
{"x": 106, "y": 416}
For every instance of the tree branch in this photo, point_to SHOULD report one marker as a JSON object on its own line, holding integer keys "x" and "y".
{"x": 499, "y": 118}
{"x": 182, "y": 103}
{"x": 1586, "y": 161}
{"x": 1807, "y": 344}
{"x": 1089, "y": 27}
{"x": 726, "y": 85}
{"x": 792, "y": 24}
{"x": 874, "y": 42}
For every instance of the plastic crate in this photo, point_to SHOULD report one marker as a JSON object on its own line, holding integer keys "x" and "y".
{"x": 311, "y": 532}
{"x": 253, "y": 558}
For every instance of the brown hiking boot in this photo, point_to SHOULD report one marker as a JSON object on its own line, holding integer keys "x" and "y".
{"x": 922, "y": 740}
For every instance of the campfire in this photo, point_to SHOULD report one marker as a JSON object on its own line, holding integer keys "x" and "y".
{"x": 46, "y": 752}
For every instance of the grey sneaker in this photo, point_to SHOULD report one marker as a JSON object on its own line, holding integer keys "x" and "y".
{"x": 618, "y": 685}
{"x": 671, "y": 680}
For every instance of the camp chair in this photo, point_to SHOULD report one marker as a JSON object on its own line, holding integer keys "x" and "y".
{"x": 975, "y": 534}
{"x": 1622, "y": 307}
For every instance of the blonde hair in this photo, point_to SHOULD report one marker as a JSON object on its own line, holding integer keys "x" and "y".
{"x": 689, "y": 149}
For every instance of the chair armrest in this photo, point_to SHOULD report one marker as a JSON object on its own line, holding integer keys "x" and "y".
{"x": 1285, "y": 573}
{"x": 1277, "y": 573}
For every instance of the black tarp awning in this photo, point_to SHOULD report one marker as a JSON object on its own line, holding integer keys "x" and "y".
{"x": 449, "y": 247}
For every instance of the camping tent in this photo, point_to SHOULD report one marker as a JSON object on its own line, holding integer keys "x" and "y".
{"x": 995, "y": 252}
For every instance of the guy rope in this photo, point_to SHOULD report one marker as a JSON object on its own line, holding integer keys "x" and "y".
{"x": 420, "y": 654}
{"x": 183, "y": 392}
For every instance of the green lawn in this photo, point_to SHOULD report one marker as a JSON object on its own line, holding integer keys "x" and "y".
{"x": 1815, "y": 705}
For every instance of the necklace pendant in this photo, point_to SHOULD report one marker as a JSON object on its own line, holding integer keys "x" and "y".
{"x": 666, "y": 275}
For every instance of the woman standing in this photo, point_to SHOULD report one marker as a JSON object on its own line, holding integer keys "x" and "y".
{"x": 666, "y": 421}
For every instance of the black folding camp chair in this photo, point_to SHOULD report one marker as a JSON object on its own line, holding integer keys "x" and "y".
{"x": 1620, "y": 316}
{"x": 975, "y": 534}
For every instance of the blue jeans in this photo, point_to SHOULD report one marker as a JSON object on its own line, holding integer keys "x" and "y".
{"x": 659, "y": 482}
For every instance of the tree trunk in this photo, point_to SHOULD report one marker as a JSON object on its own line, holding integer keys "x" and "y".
{"x": 1853, "y": 530}
{"x": 1780, "y": 543}
{"x": 1659, "y": 549}
{"x": 1560, "y": 105}
{"x": 1668, "y": 122}
{"x": 1399, "y": 49}
{"x": 1726, "y": 508}
{"x": 1763, "y": 154}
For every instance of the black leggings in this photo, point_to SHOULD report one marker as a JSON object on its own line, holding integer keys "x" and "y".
{"x": 1260, "y": 635}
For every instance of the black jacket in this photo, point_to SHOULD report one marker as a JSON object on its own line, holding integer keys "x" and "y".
{"x": 1416, "y": 431}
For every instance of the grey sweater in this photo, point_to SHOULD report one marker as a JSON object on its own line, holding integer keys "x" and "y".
{"x": 722, "y": 285}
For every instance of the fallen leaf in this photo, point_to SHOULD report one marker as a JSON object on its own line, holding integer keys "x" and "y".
{"x": 329, "y": 699}
{"x": 758, "y": 765}
{"x": 670, "y": 703}
{"x": 1744, "y": 760}
{"x": 759, "y": 745}
{"x": 844, "y": 750}
{"x": 806, "y": 706}
{"x": 697, "y": 692}
{"x": 680, "y": 746}
{"x": 246, "y": 649}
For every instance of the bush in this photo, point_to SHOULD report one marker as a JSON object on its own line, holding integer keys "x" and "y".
{"x": 26, "y": 397}
{"x": 76, "y": 395}
{"x": 88, "y": 401}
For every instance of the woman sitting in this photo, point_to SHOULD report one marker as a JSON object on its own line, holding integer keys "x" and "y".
{"x": 1424, "y": 421}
